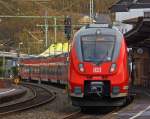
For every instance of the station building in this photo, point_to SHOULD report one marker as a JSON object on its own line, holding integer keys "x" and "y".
{"x": 129, "y": 9}
{"x": 133, "y": 19}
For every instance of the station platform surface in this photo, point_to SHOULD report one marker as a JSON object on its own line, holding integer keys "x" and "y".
{"x": 138, "y": 109}
{"x": 11, "y": 93}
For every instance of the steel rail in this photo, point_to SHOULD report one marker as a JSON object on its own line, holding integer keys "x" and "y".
{"x": 39, "y": 98}
{"x": 74, "y": 115}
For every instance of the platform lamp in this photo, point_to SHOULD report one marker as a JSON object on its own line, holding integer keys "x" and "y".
{"x": 19, "y": 47}
{"x": 18, "y": 64}
{"x": 3, "y": 74}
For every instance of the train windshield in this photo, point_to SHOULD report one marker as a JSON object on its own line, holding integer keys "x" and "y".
{"x": 97, "y": 48}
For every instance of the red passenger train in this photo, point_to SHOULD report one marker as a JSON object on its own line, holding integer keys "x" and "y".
{"x": 99, "y": 73}
{"x": 52, "y": 69}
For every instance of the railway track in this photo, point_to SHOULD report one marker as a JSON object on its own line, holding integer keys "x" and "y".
{"x": 74, "y": 115}
{"x": 41, "y": 96}
{"x": 92, "y": 115}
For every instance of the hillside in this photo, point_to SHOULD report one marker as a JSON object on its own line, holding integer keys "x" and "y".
{"x": 16, "y": 30}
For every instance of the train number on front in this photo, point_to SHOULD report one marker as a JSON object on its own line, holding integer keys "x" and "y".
{"x": 97, "y": 69}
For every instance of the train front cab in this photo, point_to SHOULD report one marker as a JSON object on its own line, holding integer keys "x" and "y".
{"x": 98, "y": 70}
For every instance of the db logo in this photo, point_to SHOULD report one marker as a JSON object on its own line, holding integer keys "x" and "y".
{"x": 97, "y": 69}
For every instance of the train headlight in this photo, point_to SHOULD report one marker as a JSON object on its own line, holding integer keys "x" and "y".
{"x": 81, "y": 67}
{"x": 77, "y": 90}
{"x": 113, "y": 67}
{"x": 116, "y": 90}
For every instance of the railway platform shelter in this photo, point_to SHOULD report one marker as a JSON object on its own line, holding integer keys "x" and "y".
{"x": 139, "y": 40}
{"x": 134, "y": 16}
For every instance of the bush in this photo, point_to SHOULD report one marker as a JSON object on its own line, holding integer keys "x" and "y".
{"x": 14, "y": 71}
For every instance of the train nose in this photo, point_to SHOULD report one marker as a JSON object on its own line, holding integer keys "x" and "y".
{"x": 116, "y": 90}
{"x": 77, "y": 90}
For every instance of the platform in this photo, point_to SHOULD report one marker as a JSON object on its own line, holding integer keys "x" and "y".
{"x": 11, "y": 93}
{"x": 138, "y": 109}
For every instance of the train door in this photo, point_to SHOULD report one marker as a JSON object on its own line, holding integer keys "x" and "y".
{"x": 38, "y": 72}
{"x": 56, "y": 74}
{"x": 29, "y": 73}
{"x": 59, "y": 74}
{"x": 53, "y": 80}
{"x": 33, "y": 73}
{"x": 41, "y": 72}
{"x": 50, "y": 73}
{"x": 44, "y": 73}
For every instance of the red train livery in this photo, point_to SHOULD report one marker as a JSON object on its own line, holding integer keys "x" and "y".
{"x": 98, "y": 69}
{"x": 45, "y": 69}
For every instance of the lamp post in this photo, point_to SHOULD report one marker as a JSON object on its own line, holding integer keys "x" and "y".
{"x": 3, "y": 74}
{"x": 21, "y": 43}
{"x": 91, "y": 10}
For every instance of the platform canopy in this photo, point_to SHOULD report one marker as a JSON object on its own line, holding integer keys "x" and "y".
{"x": 55, "y": 49}
{"x": 126, "y": 5}
{"x": 140, "y": 34}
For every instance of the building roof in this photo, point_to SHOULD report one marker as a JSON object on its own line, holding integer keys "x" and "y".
{"x": 55, "y": 49}
{"x": 125, "y": 5}
{"x": 140, "y": 34}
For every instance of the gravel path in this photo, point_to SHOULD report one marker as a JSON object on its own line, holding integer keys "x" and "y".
{"x": 60, "y": 107}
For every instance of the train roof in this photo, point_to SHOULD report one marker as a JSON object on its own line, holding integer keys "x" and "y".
{"x": 139, "y": 36}
{"x": 58, "y": 58}
{"x": 94, "y": 30}
{"x": 104, "y": 29}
